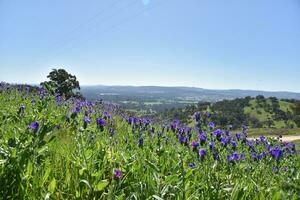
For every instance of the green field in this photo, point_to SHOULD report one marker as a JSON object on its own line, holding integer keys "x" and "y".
{"x": 51, "y": 148}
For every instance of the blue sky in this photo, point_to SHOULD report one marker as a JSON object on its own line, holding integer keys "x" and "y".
{"x": 248, "y": 44}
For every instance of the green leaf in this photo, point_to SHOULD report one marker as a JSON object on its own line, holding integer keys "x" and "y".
{"x": 86, "y": 183}
{"x": 157, "y": 197}
{"x": 2, "y": 161}
{"x": 52, "y": 186}
{"x": 77, "y": 194}
{"x": 153, "y": 166}
{"x": 102, "y": 185}
{"x": 29, "y": 169}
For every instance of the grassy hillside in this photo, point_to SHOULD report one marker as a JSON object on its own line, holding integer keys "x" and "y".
{"x": 259, "y": 112}
{"x": 263, "y": 113}
{"x": 51, "y": 148}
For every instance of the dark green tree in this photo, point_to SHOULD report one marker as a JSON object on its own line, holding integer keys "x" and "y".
{"x": 297, "y": 108}
{"x": 63, "y": 83}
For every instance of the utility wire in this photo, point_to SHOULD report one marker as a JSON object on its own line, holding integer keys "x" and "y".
{"x": 67, "y": 42}
{"x": 124, "y": 21}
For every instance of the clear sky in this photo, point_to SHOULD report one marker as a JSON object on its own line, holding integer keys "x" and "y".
{"x": 219, "y": 44}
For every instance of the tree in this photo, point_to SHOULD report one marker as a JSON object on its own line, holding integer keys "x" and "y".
{"x": 63, "y": 83}
{"x": 296, "y": 108}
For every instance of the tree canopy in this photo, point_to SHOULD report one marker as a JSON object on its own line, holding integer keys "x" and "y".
{"x": 63, "y": 83}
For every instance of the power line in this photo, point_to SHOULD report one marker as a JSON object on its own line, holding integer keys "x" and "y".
{"x": 67, "y": 42}
{"x": 124, "y": 21}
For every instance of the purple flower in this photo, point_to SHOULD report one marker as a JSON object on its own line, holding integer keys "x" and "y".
{"x": 76, "y": 110}
{"x": 253, "y": 155}
{"x": 262, "y": 138}
{"x": 118, "y": 174}
{"x": 174, "y": 124}
{"x": 244, "y": 128}
{"x": 34, "y": 126}
{"x": 211, "y": 145}
{"x": 238, "y": 136}
{"x": 188, "y": 129}
{"x": 180, "y": 139}
{"x": 216, "y": 156}
{"x": 224, "y": 141}
{"x": 218, "y": 133}
{"x": 197, "y": 116}
{"x": 234, "y": 144}
{"x": 194, "y": 145}
{"x": 276, "y": 152}
{"x": 234, "y": 157}
{"x": 259, "y": 156}
{"x": 100, "y": 122}
{"x": 211, "y": 125}
{"x": 87, "y": 112}
{"x": 202, "y": 138}
{"x": 141, "y": 142}
{"x": 105, "y": 113}
{"x": 185, "y": 140}
{"x": 86, "y": 120}
{"x": 112, "y": 131}
{"x": 208, "y": 114}
{"x": 202, "y": 153}
{"x": 132, "y": 120}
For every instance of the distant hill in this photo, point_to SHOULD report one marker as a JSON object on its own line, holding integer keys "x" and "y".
{"x": 175, "y": 93}
{"x": 148, "y": 99}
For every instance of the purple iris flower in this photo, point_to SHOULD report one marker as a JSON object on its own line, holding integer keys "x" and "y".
{"x": 211, "y": 125}
{"x": 112, "y": 131}
{"x": 76, "y": 110}
{"x": 86, "y": 120}
{"x": 174, "y": 125}
{"x": 105, "y": 113}
{"x": 202, "y": 138}
{"x": 132, "y": 120}
{"x": 292, "y": 146}
{"x": 218, "y": 133}
{"x": 141, "y": 142}
{"x": 118, "y": 174}
{"x": 244, "y": 128}
{"x": 216, "y": 156}
{"x": 185, "y": 140}
{"x": 211, "y": 145}
{"x": 194, "y": 145}
{"x": 268, "y": 147}
{"x": 238, "y": 136}
{"x": 181, "y": 139}
{"x": 188, "y": 130}
{"x": 87, "y": 112}
{"x": 234, "y": 144}
{"x": 202, "y": 153}
{"x": 262, "y": 138}
{"x": 224, "y": 141}
{"x": 259, "y": 156}
{"x": 253, "y": 155}
{"x": 276, "y": 152}
{"x": 100, "y": 122}
{"x": 197, "y": 116}
{"x": 208, "y": 114}
{"x": 34, "y": 126}
{"x": 234, "y": 157}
